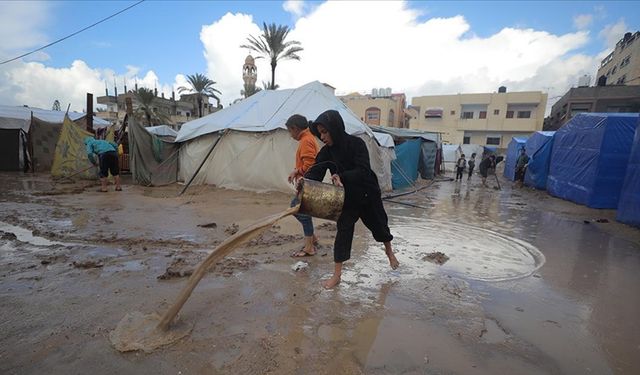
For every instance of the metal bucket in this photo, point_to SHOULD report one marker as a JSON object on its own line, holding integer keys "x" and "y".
{"x": 320, "y": 200}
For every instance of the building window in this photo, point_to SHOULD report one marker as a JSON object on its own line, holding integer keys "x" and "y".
{"x": 179, "y": 113}
{"x": 509, "y": 114}
{"x": 613, "y": 71}
{"x": 391, "y": 117}
{"x": 483, "y": 114}
{"x": 625, "y": 61}
{"x": 524, "y": 114}
{"x": 621, "y": 80}
{"x": 453, "y": 113}
{"x": 372, "y": 116}
{"x": 493, "y": 141}
{"x": 467, "y": 115}
{"x": 496, "y": 112}
{"x": 433, "y": 113}
{"x": 466, "y": 140}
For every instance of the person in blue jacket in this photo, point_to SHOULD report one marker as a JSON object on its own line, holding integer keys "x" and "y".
{"x": 107, "y": 159}
{"x": 347, "y": 159}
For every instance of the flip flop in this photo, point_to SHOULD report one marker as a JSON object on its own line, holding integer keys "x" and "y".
{"x": 301, "y": 254}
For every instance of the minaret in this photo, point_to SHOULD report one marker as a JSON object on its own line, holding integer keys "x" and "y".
{"x": 249, "y": 76}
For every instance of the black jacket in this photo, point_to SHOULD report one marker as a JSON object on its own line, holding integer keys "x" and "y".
{"x": 348, "y": 157}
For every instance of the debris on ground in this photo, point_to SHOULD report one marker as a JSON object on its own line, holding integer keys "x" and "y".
{"x": 179, "y": 267}
{"x": 602, "y": 220}
{"x": 300, "y": 265}
{"x": 87, "y": 264}
{"x": 208, "y": 225}
{"x": 436, "y": 257}
{"x": 232, "y": 229}
{"x": 7, "y": 236}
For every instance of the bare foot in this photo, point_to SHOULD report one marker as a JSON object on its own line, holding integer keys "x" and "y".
{"x": 331, "y": 283}
{"x": 315, "y": 240}
{"x": 393, "y": 262}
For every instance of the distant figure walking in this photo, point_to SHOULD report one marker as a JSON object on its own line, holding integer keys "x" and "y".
{"x": 460, "y": 164}
{"x": 107, "y": 160}
{"x": 521, "y": 167}
{"x": 486, "y": 164}
{"x": 472, "y": 164}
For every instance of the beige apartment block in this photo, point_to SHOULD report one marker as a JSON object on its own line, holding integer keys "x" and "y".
{"x": 381, "y": 108}
{"x": 485, "y": 119}
{"x": 622, "y": 66}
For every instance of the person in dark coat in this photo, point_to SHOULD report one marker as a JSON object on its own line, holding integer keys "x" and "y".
{"x": 347, "y": 159}
{"x": 485, "y": 165}
{"x": 472, "y": 164}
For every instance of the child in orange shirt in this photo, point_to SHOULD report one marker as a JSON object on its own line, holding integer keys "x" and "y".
{"x": 298, "y": 128}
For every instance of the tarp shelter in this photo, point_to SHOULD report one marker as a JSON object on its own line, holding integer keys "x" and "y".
{"x": 513, "y": 151}
{"x": 427, "y": 154}
{"x": 539, "y": 147}
{"x": 162, "y": 131}
{"x": 256, "y": 152}
{"x": 629, "y": 204}
{"x": 590, "y": 156}
{"x": 452, "y": 153}
{"x": 42, "y": 126}
{"x": 71, "y": 154}
{"x": 404, "y": 170}
{"x": 153, "y": 161}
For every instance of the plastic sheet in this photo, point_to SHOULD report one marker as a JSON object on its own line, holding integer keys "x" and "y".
{"x": 539, "y": 147}
{"x": 590, "y": 156}
{"x": 629, "y": 204}
{"x": 404, "y": 170}
{"x": 513, "y": 151}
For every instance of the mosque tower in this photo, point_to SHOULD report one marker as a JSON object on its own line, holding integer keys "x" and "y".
{"x": 249, "y": 76}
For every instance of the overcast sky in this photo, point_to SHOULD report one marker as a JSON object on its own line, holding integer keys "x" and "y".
{"x": 419, "y": 48}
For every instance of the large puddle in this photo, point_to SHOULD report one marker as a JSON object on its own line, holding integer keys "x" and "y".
{"x": 474, "y": 253}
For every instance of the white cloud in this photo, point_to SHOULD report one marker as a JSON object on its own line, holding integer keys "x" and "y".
{"x": 582, "y": 21}
{"x": 611, "y": 34}
{"x": 387, "y": 46}
{"x": 295, "y": 7}
{"x": 20, "y": 24}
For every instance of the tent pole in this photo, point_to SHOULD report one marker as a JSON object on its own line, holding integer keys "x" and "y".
{"x": 203, "y": 161}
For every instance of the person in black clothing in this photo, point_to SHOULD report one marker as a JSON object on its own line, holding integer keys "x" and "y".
{"x": 347, "y": 159}
{"x": 460, "y": 164}
{"x": 486, "y": 164}
{"x": 472, "y": 165}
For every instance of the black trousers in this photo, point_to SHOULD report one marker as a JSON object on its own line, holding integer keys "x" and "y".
{"x": 471, "y": 171}
{"x": 373, "y": 216}
{"x": 459, "y": 172}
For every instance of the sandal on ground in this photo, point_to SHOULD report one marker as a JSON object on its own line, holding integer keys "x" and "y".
{"x": 301, "y": 254}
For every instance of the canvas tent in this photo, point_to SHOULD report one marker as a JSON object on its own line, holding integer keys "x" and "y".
{"x": 162, "y": 131}
{"x": 538, "y": 147}
{"x": 451, "y": 154}
{"x": 17, "y": 124}
{"x": 255, "y": 152}
{"x": 513, "y": 151}
{"x": 589, "y": 158}
{"x": 404, "y": 169}
{"x": 153, "y": 160}
{"x": 629, "y": 204}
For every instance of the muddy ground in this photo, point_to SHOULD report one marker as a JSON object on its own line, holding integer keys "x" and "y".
{"x": 532, "y": 284}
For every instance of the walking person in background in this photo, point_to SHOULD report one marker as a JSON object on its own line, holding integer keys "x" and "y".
{"x": 298, "y": 128}
{"x": 107, "y": 160}
{"x": 487, "y": 163}
{"x": 347, "y": 159}
{"x": 521, "y": 167}
{"x": 460, "y": 164}
{"x": 472, "y": 164}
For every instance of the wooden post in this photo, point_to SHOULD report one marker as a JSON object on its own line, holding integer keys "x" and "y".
{"x": 89, "y": 117}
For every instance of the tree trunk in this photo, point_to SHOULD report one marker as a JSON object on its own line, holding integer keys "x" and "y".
{"x": 273, "y": 76}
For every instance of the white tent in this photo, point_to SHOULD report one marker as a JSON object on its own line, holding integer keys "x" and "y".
{"x": 162, "y": 131}
{"x": 255, "y": 152}
{"x": 451, "y": 154}
{"x": 12, "y": 117}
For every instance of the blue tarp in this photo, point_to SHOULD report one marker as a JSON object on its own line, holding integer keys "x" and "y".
{"x": 405, "y": 167}
{"x": 589, "y": 158}
{"x": 539, "y": 147}
{"x": 629, "y": 205}
{"x": 513, "y": 151}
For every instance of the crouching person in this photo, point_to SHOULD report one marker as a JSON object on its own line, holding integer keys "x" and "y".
{"x": 107, "y": 153}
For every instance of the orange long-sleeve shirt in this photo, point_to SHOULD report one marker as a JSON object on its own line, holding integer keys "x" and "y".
{"x": 307, "y": 151}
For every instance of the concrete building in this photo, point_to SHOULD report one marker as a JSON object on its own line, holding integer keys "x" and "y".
{"x": 381, "y": 107}
{"x": 622, "y": 66}
{"x": 178, "y": 111}
{"x": 484, "y": 119}
{"x": 619, "y": 98}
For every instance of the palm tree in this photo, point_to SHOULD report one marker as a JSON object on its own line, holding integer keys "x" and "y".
{"x": 272, "y": 45}
{"x": 146, "y": 98}
{"x": 201, "y": 85}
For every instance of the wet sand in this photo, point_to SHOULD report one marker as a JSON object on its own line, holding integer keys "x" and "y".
{"x": 529, "y": 287}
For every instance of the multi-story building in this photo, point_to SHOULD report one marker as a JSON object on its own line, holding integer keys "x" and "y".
{"x": 622, "y": 66}
{"x": 617, "y": 98}
{"x": 484, "y": 119}
{"x": 177, "y": 111}
{"x": 380, "y": 108}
